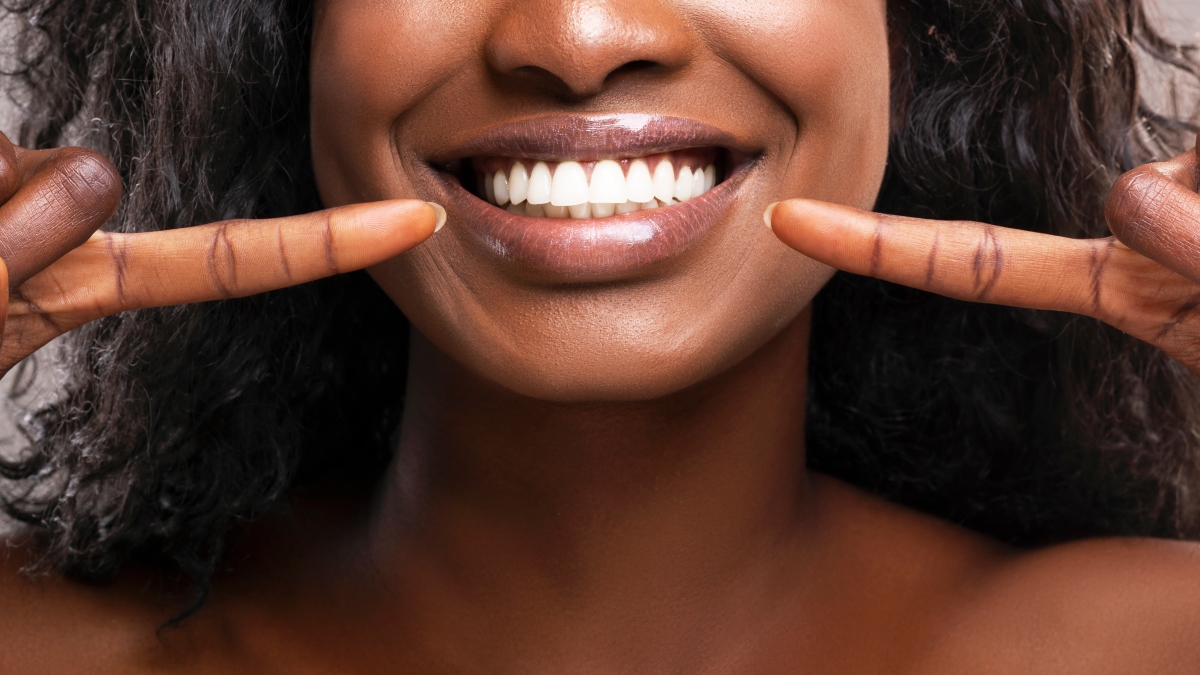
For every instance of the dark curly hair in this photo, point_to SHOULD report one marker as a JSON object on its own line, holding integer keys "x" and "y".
{"x": 177, "y": 424}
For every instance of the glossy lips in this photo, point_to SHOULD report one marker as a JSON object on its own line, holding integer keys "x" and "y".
{"x": 591, "y": 248}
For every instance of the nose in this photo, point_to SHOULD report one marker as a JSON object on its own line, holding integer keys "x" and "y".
{"x": 573, "y": 48}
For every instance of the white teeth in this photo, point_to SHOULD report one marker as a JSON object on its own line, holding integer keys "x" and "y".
{"x": 683, "y": 185}
{"x": 639, "y": 184}
{"x": 697, "y": 184}
{"x": 539, "y": 184}
{"x": 500, "y": 188}
{"x": 604, "y": 210}
{"x": 664, "y": 180}
{"x": 570, "y": 185}
{"x": 608, "y": 183}
{"x": 567, "y": 192}
{"x": 489, "y": 189}
{"x": 518, "y": 183}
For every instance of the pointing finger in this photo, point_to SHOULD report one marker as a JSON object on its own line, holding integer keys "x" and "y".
{"x": 118, "y": 272}
{"x": 963, "y": 260}
{"x": 1101, "y": 278}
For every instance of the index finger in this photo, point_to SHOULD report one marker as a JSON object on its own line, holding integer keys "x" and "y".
{"x": 963, "y": 260}
{"x": 118, "y": 272}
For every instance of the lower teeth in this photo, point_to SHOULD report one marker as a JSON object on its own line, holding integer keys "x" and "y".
{"x": 584, "y": 210}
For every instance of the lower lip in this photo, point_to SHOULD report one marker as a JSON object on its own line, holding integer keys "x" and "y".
{"x": 593, "y": 249}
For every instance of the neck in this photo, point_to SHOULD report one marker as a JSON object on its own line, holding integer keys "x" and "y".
{"x": 495, "y": 495}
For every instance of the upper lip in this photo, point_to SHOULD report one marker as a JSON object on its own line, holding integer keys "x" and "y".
{"x": 586, "y": 138}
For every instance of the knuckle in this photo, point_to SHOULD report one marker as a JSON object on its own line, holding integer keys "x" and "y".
{"x": 89, "y": 180}
{"x": 330, "y": 246}
{"x": 222, "y": 263}
{"x": 118, "y": 254}
{"x": 987, "y": 263}
{"x": 284, "y": 263}
{"x": 1131, "y": 196}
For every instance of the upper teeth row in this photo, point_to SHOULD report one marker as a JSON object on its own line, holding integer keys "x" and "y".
{"x": 568, "y": 185}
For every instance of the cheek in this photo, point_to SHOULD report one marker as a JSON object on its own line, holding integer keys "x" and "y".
{"x": 828, "y": 63}
{"x": 372, "y": 63}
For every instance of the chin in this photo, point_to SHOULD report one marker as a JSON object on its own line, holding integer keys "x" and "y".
{"x": 619, "y": 343}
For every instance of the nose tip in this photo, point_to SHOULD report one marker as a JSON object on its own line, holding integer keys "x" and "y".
{"x": 572, "y": 49}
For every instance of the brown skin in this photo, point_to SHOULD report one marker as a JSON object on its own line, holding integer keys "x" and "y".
{"x": 610, "y": 480}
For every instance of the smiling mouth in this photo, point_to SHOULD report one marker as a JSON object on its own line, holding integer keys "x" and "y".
{"x": 571, "y": 198}
{"x": 596, "y": 188}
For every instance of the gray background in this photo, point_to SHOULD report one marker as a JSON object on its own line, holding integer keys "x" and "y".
{"x": 1180, "y": 19}
{"x": 1182, "y": 9}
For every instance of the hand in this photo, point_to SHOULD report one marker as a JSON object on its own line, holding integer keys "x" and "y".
{"x": 1144, "y": 281}
{"x": 62, "y": 273}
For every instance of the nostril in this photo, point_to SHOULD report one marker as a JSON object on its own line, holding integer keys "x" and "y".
{"x": 555, "y": 85}
{"x": 572, "y": 49}
{"x": 546, "y": 81}
{"x": 633, "y": 67}
{"x": 541, "y": 75}
{"x": 552, "y": 83}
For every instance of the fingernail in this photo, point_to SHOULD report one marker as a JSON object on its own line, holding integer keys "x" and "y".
{"x": 767, "y": 215}
{"x": 441, "y": 215}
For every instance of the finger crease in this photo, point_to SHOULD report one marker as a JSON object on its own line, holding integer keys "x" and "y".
{"x": 222, "y": 248}
{"x": 1099, "y": 260}
{"x": 35, "y": 310}
{"x": 933, "y": 253}
{"x": 117, "y": 253}
{"x": 330, "y": 258}
{"x": 1185, "y": 310}
{"x": 877, "y": 246}
{"x": 990, "y": 241}
{"x": 283, "y": 259}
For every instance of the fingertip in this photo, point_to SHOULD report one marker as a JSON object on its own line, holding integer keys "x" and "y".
{"x": 440, "y": 212}
{"x": 366, "y": 233}
{"x": 396, "y": 215}
{"x": 799, "y": 211}
{"x": 821, "y": 230}
{"x": 768, "y": 214}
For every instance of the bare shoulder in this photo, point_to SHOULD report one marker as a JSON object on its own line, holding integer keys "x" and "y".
{"x": 1120, "y": 605}
{"x": 1095, "y": 606}
{"x": 55, "y": 625}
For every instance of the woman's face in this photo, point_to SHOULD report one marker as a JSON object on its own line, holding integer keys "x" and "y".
{"x": 433, "y": 98}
